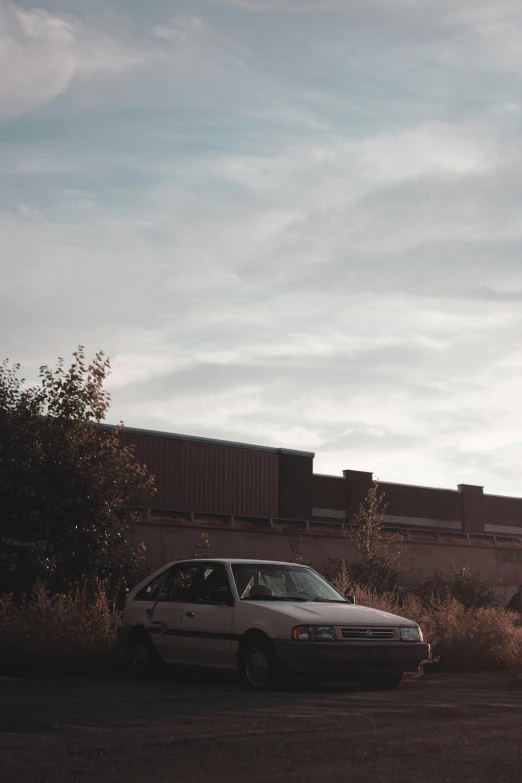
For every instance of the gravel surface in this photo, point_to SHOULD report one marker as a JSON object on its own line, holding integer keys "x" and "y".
{"x": 455, "y": 728}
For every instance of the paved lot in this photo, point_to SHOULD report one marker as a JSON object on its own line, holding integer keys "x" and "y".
{"x": 437, "y": 728}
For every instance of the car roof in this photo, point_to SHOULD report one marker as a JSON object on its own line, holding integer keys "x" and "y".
{"x": 234, "y": 561}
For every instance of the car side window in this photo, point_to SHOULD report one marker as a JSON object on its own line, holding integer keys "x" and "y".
{"x": 207, "y": 583}
{"x": 176, "y": 587}
{"x": 151, "y": 590}
{"x": 210, "y": 585}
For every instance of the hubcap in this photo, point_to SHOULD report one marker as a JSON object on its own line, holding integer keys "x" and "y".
{"x": 257, "y": 666}
{"x": 140, "y": 658}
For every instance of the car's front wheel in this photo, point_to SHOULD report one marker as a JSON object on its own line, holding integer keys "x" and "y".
{"x": 258, "y": 663}
{"x": 381, "y": 682}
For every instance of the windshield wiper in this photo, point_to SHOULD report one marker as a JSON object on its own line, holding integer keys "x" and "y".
{"x": 273, "y": 598}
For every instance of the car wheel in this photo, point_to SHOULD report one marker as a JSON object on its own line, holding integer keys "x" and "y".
{"x": 381, "y": 682}
{"x": 258, "y": 664}
{"x": 144, "y": 659}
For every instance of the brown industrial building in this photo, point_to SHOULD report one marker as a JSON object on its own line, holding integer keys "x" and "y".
{"x": 252, "y": 501}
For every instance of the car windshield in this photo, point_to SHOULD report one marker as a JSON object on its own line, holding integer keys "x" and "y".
{"x": 273, "y": 582}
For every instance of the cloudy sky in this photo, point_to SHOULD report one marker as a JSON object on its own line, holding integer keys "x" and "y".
{"x": 290, "y": 222}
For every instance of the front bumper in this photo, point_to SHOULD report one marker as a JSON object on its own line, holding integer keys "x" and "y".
{"x": 342, "y": 658}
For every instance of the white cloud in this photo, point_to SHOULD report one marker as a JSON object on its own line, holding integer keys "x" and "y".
{"x": 433, "y": 150}
{"x": 181, "y": 29}
{"x": 467, "y": 11}
{"x": 317, "y": 249}
{"x": 41, "y": 53}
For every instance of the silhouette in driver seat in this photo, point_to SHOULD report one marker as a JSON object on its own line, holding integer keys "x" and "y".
{"x": 258, "y": 591}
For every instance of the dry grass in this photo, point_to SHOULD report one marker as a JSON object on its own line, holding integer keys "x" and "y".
{"x": 73, "y": 635}
{"x": 462, "y": 639}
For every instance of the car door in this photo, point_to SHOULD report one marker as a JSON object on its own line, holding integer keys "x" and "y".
{"x": 138, "y": 611}
{"x": 164, "y": 622}
{"x": 206, "y": 623}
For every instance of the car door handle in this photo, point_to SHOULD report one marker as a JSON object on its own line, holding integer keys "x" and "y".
{"x": 190, "y": 614}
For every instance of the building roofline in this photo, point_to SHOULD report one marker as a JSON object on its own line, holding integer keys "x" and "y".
{"x": 506, "y": 497}
{"x": 418, "y": 486}
{"x": 210, "y": 441}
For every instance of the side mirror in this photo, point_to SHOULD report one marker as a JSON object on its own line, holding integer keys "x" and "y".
{"x": 350, "y": 598}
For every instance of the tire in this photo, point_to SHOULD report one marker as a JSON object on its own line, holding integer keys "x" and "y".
{"x": 144, "y": 661}
{"x": 258, "y": 664}
{"x": 381, "y": 682}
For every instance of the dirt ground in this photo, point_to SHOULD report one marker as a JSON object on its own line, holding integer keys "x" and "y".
{"x": 449, "y": 728}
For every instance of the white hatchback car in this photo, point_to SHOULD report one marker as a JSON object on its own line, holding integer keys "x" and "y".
{"x": 263, "y": 618}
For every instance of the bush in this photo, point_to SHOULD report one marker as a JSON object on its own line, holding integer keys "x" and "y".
{"x": 461, "y": 638}
{"x": 379, "y": 562}
{"x": 63, "y": 635}
{"x": 470, "y": 588}
{"x": 473, "y": 639}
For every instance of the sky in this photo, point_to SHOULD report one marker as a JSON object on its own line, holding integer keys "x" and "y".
{"x": 294, "y": 223}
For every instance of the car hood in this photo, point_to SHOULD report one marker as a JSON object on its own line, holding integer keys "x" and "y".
{"x": 334, "y": 614}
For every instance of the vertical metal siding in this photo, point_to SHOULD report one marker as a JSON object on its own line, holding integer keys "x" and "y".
{"x": 329, "y": 492}
{"x": 500, "y": 510}
{"x": 410, "y": 501}
{"x": 296, "y": 478}
{"x": 204, "y": 477}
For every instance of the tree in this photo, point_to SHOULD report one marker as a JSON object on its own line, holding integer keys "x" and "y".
{"x": 69, "y": 490}
{"x": 378, "y": 565}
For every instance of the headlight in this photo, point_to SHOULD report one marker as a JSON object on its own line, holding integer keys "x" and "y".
{"x": 314, "y": 633}
{"x": 411, "y": 634}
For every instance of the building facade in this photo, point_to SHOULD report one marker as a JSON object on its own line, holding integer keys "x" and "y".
{"x": 253, "y": 501}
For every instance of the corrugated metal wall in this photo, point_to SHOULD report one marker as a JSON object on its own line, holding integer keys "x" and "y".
{"x": 295, "y": 486}
{"x": 193, "y": 476}
{"x": 200, "y": 475}
{"x": 410, "y": 501}
{"x": 329, "y": 493}
{"x": 499, "y": 510}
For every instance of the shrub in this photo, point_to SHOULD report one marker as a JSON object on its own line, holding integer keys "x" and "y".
{"x": 342, "y": 580}
{"x": 378, "y": 564}
{"x": 470, "y": 588}
{"x": 406, "y": 606}
{"x": 472, "y": 639}
{"x": 296, "y": 548}
{"x": 461, "y": 638}
{"x": 68, "y": 634}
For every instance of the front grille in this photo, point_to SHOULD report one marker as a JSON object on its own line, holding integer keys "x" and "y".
{"x": 367, "y": 633}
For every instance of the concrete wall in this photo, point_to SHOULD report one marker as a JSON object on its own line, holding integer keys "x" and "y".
{"x": 169, "y": 539}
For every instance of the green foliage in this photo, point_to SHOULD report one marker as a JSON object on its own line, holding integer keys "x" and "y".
{"x": 67, "y": 485}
